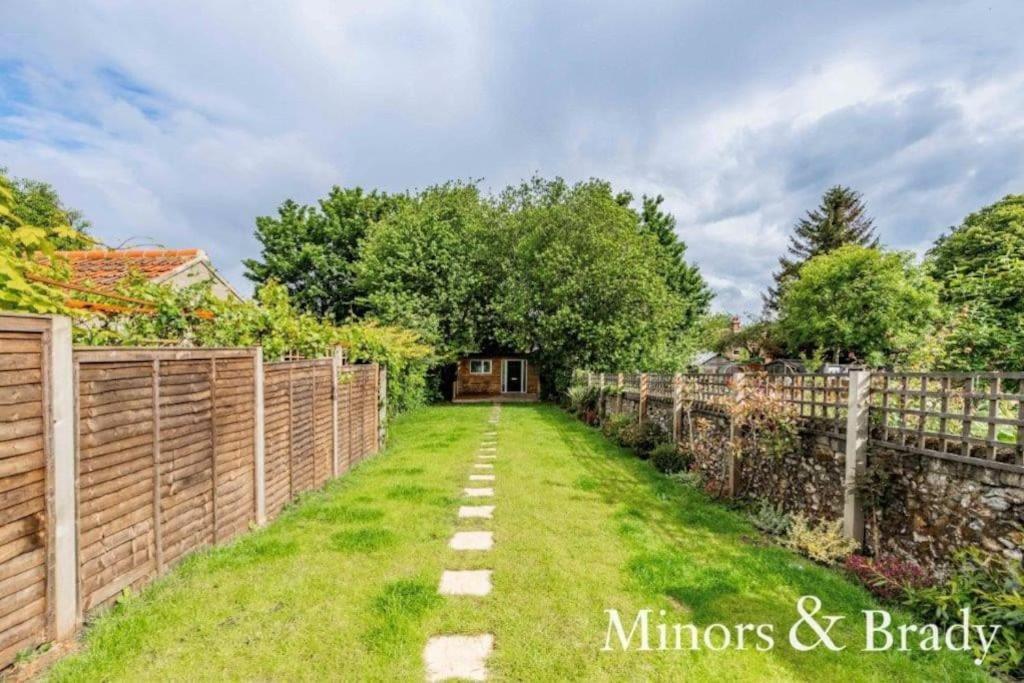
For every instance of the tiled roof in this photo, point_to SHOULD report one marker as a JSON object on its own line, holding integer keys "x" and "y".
{"x": 107, "y": 267}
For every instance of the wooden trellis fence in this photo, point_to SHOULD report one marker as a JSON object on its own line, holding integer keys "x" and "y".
{"x": 970, "y": 418}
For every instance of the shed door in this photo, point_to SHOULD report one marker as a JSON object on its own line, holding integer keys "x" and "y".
{"x": 514, "y": 376}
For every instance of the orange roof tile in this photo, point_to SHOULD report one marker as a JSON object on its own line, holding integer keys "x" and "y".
{"x": 107, "y": 267}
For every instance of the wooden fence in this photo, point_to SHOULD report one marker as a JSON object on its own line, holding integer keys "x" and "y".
{"x": 117, "y": 463}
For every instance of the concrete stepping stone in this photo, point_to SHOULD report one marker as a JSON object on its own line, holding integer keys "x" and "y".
{"x": 472, "y": 540}
{"x": 479, "y": 492}
{"x": 481, "y": 477}
{"x": 476, "y": 511}
{"x": 463, "y": 657}
{"x": 488, "y": 456}
{"x": 483, "y": 466}
{"x": 465, "y": 582}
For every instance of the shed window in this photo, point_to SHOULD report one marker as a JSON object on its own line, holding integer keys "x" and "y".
{"x": 480, "y": 367}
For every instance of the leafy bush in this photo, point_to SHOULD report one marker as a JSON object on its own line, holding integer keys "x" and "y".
{"x": 270, "y": 321}
{"x": 614, "y": 424}
{"x": 823, "y": 542}
{"x": 667, "y": 458}
{"x": 992, "y": 586}
{"x": 690, "y": 478}
{"x": 583, "y": 401}
{"x": 770, "y": 519}
{"x": 629, "y": 434}
{"x": 649, "y": 435}
{"x": 887, "y": 576}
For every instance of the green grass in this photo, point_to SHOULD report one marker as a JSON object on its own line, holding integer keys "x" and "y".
{"x": 343, "y": 585}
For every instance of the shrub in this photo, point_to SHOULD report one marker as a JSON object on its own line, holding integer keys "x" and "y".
{"x": 992, "y": 586}
{"x": 649, "y": 435}
{"x": 666, "y": 458}
{"x": 583, "y": 401}
{"x": 629, "y": 435}
{"x": 614, "y": 425}
{"x": 690, "y": 478}
{"x": 886, "y": 576}
{"x": 823, "y": 542}
{"x": 770, "y": 519}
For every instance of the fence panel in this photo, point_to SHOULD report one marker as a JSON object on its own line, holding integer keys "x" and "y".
{"x": 165, "y": 460}
{"x": 976, "y": 418}
{"x": 25, "y": 582}
{"x": 299, "y": 440}
{"x": 358, "y": 412}
{"x": 277, "y": 399}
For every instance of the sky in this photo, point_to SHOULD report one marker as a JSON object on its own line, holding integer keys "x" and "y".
{"x": 178, "y": 123}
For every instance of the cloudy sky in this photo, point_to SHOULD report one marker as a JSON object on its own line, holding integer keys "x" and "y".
{"x": 179, "y": 122}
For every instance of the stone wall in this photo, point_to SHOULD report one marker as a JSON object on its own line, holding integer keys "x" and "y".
{"x": 921, "y": 508}
{"x": 928, "y": 509}
{"x": 933, "y": 507}
{"x": 659, "y": 410}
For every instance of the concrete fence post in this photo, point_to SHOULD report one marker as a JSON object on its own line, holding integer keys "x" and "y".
{"x": 382, "y": 407}
{"x": 731, "y": 474}
{"x": 259, "y": 441}
{"x": 644, "y": 380}
{"x": 619, "y": 382}
{"x": 61, "y": 394}
{"x": 337, "y": 359}
{"x": 857, "y": 433}
{"x": 677, "y": 407}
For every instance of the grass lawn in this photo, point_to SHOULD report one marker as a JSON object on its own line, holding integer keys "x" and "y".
{"x": 344, "y": 584}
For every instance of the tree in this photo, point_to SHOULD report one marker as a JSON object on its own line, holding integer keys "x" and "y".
{"x": 840, "y": 219}
{"x": 35, "y": 203}
{"x": 313, "y": 250}
{"x": 28, "y": 258}
{"x": 980, "y": 267}
{"x": 586, "y": 288}
{"x": 683, "y": 278}
{"x": 431, "y": 266}
{"x": 858, "y": 303}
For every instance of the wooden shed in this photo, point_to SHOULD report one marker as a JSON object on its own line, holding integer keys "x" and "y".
{"x": 496, "y": 376}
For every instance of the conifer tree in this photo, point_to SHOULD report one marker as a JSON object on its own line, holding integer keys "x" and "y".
{"x": 839, "y": 220}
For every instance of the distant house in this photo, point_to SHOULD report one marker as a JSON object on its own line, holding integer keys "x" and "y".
{"x": 715, "y": 362}
{"x": 105, "y": 268}
{"x": 496, "y": 375}
{"x": 785, "y": 366}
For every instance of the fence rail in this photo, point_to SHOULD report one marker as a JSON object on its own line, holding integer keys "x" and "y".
{"x": 115, "y": 463}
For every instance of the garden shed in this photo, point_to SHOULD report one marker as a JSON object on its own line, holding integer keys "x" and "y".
{"x": 498, "y": 374}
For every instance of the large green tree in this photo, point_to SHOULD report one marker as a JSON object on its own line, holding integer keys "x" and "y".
{"x": 840, "y": 219}
{"x": 312, "y": 250}
{"x": 858, "y": 303}
{"x": 588, "y": 287}
{"x": 432, "y": 266}
{"x": 980, "y": 266}
{"x": 571, "y": 273}
{"x": 682, "y": 277}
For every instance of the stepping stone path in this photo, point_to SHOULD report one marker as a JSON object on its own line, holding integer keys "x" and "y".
{"x": 472, "y": 540}
{"x": 476, "y": 511}
{"x": 465, "y": 656}
{"x": 470, "y": 582}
